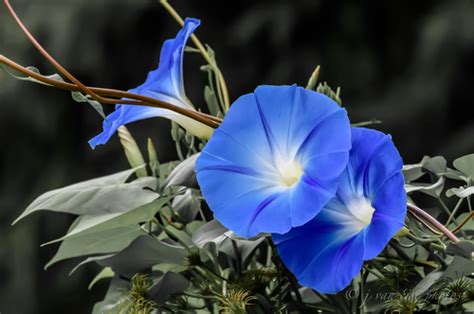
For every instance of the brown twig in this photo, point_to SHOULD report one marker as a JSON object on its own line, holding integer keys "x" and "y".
{"x": 138, "y": 99}
{"x": 51, "y": 60}
{"x": 465, "y": 221}
{"x": 430, "y": 219}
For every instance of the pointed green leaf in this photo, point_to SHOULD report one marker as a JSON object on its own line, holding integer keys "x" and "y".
{"x": 109, "y": 194}
{"x": 465, "y": 164}
{"x": 106, "y": 272}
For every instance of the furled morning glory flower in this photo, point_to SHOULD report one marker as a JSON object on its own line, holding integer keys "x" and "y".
{"x": 275, "y": 160}
{"x": 166, "y": 84}
{"x": 369, "y": 208}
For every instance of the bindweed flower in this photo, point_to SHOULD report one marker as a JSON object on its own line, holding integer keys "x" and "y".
{"x": 166, "y": 84}
{"x": 275, "y": 160}
{"x": 369, "y": 208}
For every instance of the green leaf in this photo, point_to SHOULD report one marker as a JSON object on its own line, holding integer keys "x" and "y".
{"x": 185, "y": 206}
{"x": 109, "y": 194}
{"x": 455, "y": 175}
{"x": 81, "y": 98}
{"x": 460, "y": 192}
{"x": 461, "y": 248}
{"x": 95, "y": 222}
{"x": 54, "y": 76}
{"x": 246, "y": 247}
{"x": 427, "y": 282}
{"x": 414, "y": 171}
{"x": 106, "y": 272}
{"x": 143, "y": 253}
{"x": 465, "y": 164}
{"x": 113, "y": 302}
{"x": 436, "y": 165}
{"x": 171, "y": 283}
{"x": 458, "y": 268}
{"x": 99, "y": 242}
{"x": 433, "y": 190}
{"x": 183, "y": 174}
{"x": 212, "y": 231}
{"x": 132, "y": 151}
{"x": 108, "y": 236}
{"x": 212, "y": 102}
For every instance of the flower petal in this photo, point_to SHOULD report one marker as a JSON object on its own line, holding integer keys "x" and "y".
{"x": 369, "y": 208}
{"x": 166, "y": 84}
{"x": 389, "y": 216}
{"x": 321, "y": 256}
{"x": 275, "y": 135}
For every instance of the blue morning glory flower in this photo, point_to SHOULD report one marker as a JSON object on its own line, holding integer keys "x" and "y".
{"x": 275, "y": 160}
{"x": 369, "y": 208}
{"x": 166, "y": 84}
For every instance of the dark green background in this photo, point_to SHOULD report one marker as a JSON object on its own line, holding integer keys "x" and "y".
{"x": 407, "y": 63}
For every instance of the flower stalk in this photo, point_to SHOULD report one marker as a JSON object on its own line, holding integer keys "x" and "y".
{"x": 435, "y": 223}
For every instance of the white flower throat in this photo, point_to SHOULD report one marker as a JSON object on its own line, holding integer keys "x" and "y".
{"x": 289, "y": 173}
{"x": 362, "y": 211}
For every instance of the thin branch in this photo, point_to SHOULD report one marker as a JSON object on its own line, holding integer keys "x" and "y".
{"x": 51, "y": 60}
{"x": 435, "y": 223}
{"x": 465, "y": 221}
{"x": 132, "y": 99}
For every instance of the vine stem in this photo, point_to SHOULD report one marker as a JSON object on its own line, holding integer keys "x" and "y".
{"x": 421, "y": 213}
{"x": 138, "y": 100}
{"x": 51, "y": 60}
{"x": 203, "y": 52}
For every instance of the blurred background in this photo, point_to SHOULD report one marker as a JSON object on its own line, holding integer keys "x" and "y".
{"x": 409, "y": 64}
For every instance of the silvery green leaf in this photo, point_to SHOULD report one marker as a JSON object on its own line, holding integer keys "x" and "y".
{"x": 245, "y": 247}
{"x": 459, "y": 267}
{"x": 435, "y": 165}
{"x": 132, "y": 151}
{"x": 144, "y": 252}
{"x": 106, "y": 272}
{"x": 414, "y": 171}
{"x": 114, "y": 298}
{"x": 80, "y": 97}
{"x": 434, "y": 189}
{"x": 461, "y": 248}
{"x": 212, "y": 231}
{"x": 99, "y": 242}
{"x": 455, "y": 175}
{"x": 54, "y": 76}
{"x": 465, "y": 164}
{"x": 107, "y": 236}
{"x": 460, "y": 192}
{"x": 170, "y": 283}
{"x": 100, "y": 221}
{"x": 212, "y": 102}
{"x": 109, "y": 194}
{"x": 183, "y": 174}
{"x": 185, "y": 206}
{"x": 426, "y": 283}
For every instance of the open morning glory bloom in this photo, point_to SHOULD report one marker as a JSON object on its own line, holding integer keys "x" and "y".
{"x": 275, "y": 160}
{"x": 369, "y": 208}
{"x": 166, "y": 84}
